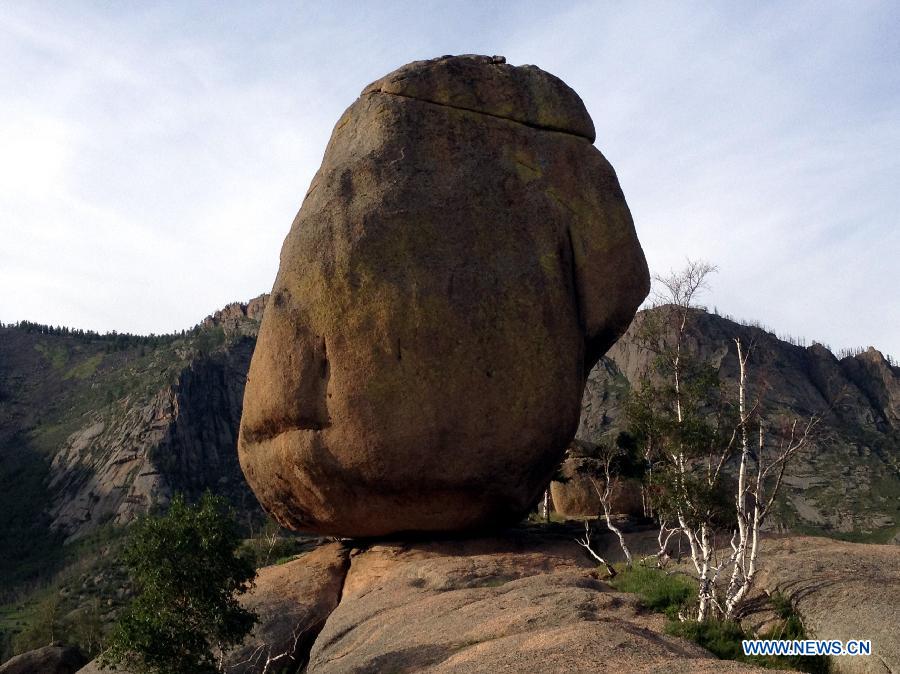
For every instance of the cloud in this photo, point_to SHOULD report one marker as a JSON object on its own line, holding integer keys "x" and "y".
{"x": 152, "y": 158}
{"x": 762, "y": 138}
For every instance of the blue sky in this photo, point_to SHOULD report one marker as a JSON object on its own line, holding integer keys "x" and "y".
{"x": 152, "y": 157}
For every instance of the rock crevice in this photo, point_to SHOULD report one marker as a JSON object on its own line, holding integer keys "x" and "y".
{"x": 536, "y": 127}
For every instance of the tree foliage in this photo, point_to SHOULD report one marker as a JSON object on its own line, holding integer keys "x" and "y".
{"x": 188, "y": 577}
{"x": 684, "y": 418}
{"x": 692, "y": 430}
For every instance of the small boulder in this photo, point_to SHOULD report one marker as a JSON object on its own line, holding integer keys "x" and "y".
{"x": 53, "y": 659}
{"x": 575, "y": 495}
{"x": 292, "y": 601}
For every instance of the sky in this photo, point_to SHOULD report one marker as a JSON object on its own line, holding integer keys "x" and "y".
{"x": 153, "y": 155}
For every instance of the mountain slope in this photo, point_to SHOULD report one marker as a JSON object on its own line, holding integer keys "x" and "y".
{"x": 848, "y": 481}
{"x": 95, "y": 430}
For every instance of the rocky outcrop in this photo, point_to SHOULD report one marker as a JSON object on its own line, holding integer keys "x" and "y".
{"x": 531, "y": 600}
{"x": 462, "y": 258}
{"x": 842, "y": 591}
{"x": 138, "y": 455}
{"x": 848, "y": 478}
{"x": 292, "y": 600}
{"x": 527, "y": 601}
{"x": 521, "y": 601}
{"x": 54, "y": 659}
{"x": 483, "y": 605}
{"x": 238, "y": 317}
{"x": 879, "y": 381}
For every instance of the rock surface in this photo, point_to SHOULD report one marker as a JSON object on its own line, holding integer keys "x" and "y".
{"x": 491, "y": 605}
{"x": 462, "y": 258}
{"x": 532, "y": 601}
{"x": 46, "y": 660}
{"x": 292, "y": 601}
{"x": 842, "y": 591}
{"x": 523, "y": 601}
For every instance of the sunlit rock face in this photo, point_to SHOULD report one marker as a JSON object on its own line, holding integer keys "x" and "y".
{"x": 462, "y": 258}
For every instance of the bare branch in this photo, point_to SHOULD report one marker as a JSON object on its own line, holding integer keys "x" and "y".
{"x": 585, "y": 542}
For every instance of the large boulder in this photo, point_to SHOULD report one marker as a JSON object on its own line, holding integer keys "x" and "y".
{"x": 462, "y": 258}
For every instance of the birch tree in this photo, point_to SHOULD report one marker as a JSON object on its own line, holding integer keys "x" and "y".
{"x": 585, "y": 542}
{"x": 604, "y": 493}
{"x": 760, "y": 476}
{"x": 685, "y": 422}
{"x": 691, "y": 428}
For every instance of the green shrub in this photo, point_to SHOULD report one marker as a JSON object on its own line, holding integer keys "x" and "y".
{"x": 723, "y": 639}
{"x": 791, "y": 628}
{"x": 44, "y": 627}
{"x": 187, "y": 577}
{"x": 660, "y": 592}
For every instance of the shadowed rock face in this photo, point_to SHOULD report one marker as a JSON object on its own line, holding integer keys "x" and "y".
{"x": 462, "y": 258}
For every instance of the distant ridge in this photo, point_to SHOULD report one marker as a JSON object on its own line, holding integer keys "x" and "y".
{"x": 848, "y": 483}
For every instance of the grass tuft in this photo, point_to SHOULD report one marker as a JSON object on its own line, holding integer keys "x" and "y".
{"x": 658, "y": 591}
{"x": 671, "y": 593}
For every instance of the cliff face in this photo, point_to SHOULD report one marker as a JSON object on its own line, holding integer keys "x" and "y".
{"x": 848, "y": 480}
{"x": 138, "y": 453}
{"x": 96, "y": 430}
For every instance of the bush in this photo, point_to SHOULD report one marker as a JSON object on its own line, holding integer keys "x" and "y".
{"x": 187, "y": 577}
{"x": 723, "y": 639}
{"x": 658, "y": 591}
{"x": 792, "y": 628}
{"x": 44, "y": 627}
